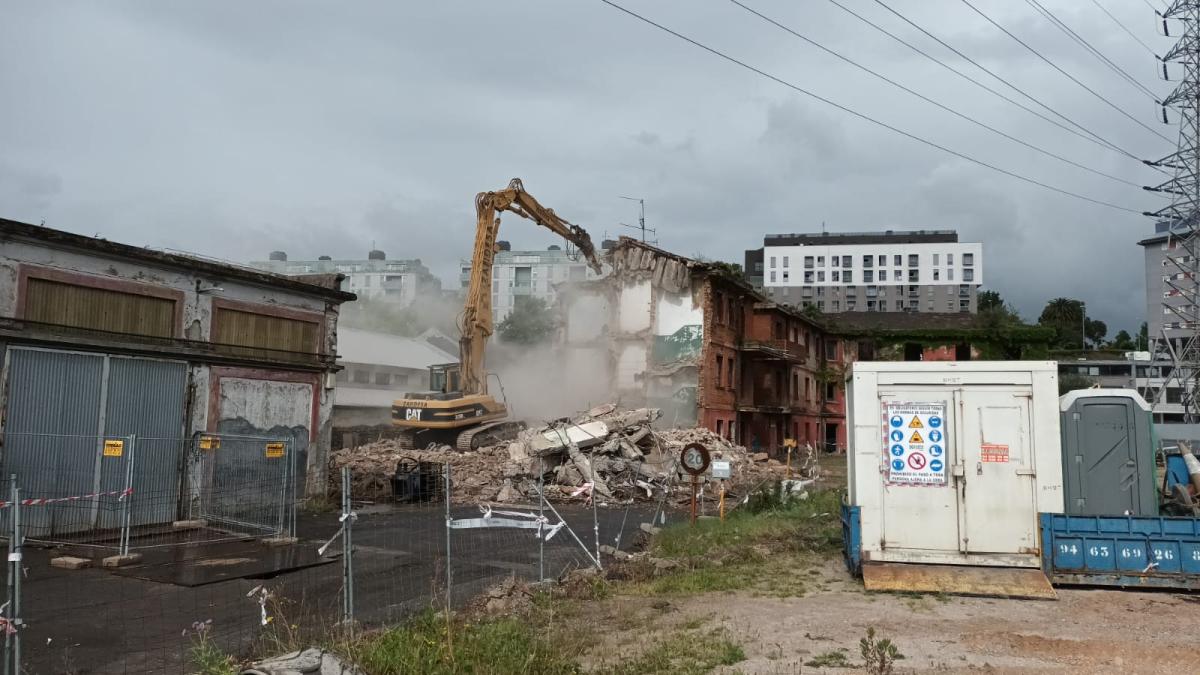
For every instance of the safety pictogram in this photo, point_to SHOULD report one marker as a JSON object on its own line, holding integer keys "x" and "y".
{"x": 914, "y": 443}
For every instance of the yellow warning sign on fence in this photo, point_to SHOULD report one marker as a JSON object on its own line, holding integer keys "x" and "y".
{"x": 114, "y": 447}
{"x": 209, "y": 443}
{"x": 274, "y": 450}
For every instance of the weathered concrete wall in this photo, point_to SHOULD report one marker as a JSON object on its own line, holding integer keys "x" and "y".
{"x": 260, "y": 407}
{"x": 197, "y": 307}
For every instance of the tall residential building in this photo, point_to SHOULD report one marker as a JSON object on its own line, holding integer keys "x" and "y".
{"x": 376, "y": 278}
{"x": 527, "y": 273}
{"x": 917, "y": 271}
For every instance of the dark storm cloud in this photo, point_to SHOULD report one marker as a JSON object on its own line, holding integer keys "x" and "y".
{"x": 233, "y": 129}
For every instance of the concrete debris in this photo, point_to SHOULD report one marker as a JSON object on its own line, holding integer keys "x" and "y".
{"x": 617, "y": 451}
{"x": 311, "y": 661}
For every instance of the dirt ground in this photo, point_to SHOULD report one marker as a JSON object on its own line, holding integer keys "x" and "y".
{"x": 1084, "y": 631}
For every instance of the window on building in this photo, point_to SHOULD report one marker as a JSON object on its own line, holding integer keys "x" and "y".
{"x": 936, "y": 276}
{"x": 808, "y": 261}
{"x": 835, "y": 261}
{"x": 935, "y": 258}
{"x": 830, "y": 391}
{"x": 882, "y": 260}
{"x": 772, "y": 261}
{"x": 785, "y": 261}
{"x": 896, "y": 260}
{"x": 808, "y": 277}
{"x": 729, "y": 372}
{"x": 758, "y": 267}
{"x": 968, "y": 259}
{"x": 968, "y": 275}
{"x": 361, "y": 376}
{"x": 883, "y": 275}
{"x": 847, "y": 277}
{"x": 949, "y": 258}
{"x": 914, "y": 260}
{"x": 720, "y": 427}
{"x": 719, "y": 308}
{"x": 914, "y": 276}
{"x": 949, "y": 305}
{"x": 847, "y": 261}
{"x": 870, "y": 305}
{"x": 80, "y": 306}
{"x": 868, "y": 261}
{"x": 720, "y": 370}
{"x": 383, "y": 378}
{"x": 820, "y": 261}
{"x": 837, "y": 305}
{"x": 772, "y": 276}
{"x": 795, "y": 391}
{"x": 964, "y": 290}
{"x": 785, "y": 275}
{"x": 964, "y": 305}
{"x": 851, "y": 304}
{"x": 869, "y": 276}
{"x": 820, "y": 277}
{"x": 950, "y": 274}
{"x": 836, "y": 275}
{"x": 821, "y": 305}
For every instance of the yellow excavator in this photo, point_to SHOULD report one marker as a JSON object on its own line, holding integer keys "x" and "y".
{"x": 460, "y": 412}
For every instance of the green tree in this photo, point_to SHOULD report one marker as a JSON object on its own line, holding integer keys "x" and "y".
{"x": 1143, "y": 341}
{"x": 1065, "y": 316}
{"x": 531, "y": 322}
{"x": 990, "y": 300}
{"x": 1072, "y": 382}
{"x": 1095, "y": 330}
{"x": 1123, "y": 340}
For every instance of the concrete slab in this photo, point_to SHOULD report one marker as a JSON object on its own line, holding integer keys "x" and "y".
{"x": 189, "y": 524}
{"x": 68, "y": 562}
{"x": 121, "y": 560}
{"x": 279, "y": 541}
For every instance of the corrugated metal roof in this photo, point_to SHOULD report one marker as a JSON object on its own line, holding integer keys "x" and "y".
{"x": 382, "y": 349}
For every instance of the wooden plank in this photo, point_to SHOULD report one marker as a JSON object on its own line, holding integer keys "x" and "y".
{"x": 99, "y": 309}
{"x": 1007, "y": 582}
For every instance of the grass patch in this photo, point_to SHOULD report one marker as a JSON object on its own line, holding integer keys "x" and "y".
{"x": 830, "y": 659}
{"x": 682, "y": 653}
{"x": 493, "y": 646}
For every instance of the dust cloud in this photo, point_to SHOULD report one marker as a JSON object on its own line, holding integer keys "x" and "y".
{"x": 546, "y": 382}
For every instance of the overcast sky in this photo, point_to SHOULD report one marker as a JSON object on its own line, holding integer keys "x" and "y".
{"x": 235, "y": 128}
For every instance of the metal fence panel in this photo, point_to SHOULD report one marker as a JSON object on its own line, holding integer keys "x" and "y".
{"x": 245, "y": 482}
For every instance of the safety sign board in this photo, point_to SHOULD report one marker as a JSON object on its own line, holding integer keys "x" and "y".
{"x": 113, "y": 447}
{"x": 993, "y": 452}
{"x": 274, "y": 450}
{"x": 914, "y": 443}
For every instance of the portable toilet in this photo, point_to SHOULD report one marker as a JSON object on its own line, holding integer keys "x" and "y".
{"x": 950, "y": 463}
{"x": 1107, "y": 453}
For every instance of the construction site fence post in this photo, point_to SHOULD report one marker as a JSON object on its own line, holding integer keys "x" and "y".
{"x": 446, "y": 494}
{"x": 12, "y": 572}
{"x": 127, "y": 500}
{"x": 348, "y": 518}
{"x": 595, "y": 520}
{"x": 16, "y": 563}
{"x": 541, "y": 519}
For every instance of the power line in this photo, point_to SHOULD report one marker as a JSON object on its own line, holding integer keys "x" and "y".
{"x": 1012, "y": 86}
{"x": 1068, "y": 75}
{"x": 930, "y": 101}
{"x": 860, "y": 115}
{"x": 1082, "y": 42}
{"x": 1126, "y": 28}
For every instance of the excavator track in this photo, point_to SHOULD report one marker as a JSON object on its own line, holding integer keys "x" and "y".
{"x": 488, "y": 434}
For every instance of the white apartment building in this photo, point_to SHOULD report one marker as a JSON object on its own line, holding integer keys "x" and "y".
{"x": 920, "y": 271}
{"x": 376, "y": 278}
{"x": 528, "y": 273}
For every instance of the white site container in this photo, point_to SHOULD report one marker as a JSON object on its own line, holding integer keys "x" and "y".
{"x": 998, "y": 454}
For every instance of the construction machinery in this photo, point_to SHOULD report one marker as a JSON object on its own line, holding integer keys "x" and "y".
{"x": 459, "y": 411}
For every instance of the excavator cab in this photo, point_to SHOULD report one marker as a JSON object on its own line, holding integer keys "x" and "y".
{"x": 446, "y": 378}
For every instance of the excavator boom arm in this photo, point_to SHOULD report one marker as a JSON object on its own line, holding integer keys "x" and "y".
{"x": 476, "y": 323}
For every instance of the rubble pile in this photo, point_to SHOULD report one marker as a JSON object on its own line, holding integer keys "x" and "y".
{"x": 616, "y": 450}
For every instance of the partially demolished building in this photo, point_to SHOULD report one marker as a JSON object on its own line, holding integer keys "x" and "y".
{"x": 695, "y": 340}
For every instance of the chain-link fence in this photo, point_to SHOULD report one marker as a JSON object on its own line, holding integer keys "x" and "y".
{"x": 273, "y": 573}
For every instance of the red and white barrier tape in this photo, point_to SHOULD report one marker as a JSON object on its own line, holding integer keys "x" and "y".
{"x": 43, "y": 501}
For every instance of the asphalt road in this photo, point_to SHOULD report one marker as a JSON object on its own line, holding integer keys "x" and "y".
{"x": 93, "y": 621}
